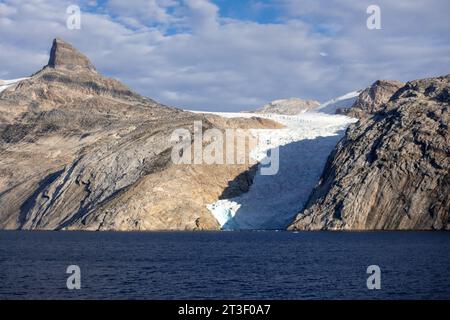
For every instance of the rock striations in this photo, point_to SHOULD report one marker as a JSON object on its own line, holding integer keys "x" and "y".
{"x": 391, "y": 171}
{"x": 82, "y": 151}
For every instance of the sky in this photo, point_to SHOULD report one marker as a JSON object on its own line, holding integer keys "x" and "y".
{"x": 234, "y": 55}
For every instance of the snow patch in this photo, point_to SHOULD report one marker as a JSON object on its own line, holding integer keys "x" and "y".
{"x": 4, "y": 84}
{"x": 345, "y": 101}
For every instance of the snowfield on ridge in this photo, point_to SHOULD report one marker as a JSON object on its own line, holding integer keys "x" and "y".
{"x": 4, "y": 84}
{"x": 344, "y": 101}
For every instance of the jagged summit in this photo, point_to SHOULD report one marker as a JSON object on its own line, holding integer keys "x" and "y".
{"x": 79, "y": 150}
{"x": 64, "y": 55}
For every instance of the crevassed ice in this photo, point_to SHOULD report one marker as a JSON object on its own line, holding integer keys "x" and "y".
{"x": 273, "y": 201}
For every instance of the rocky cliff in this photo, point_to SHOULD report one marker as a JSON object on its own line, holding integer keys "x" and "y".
{"x": 371, "y": 99}
{"x": 391, "y": 171}
{"x": 82, "y": 151}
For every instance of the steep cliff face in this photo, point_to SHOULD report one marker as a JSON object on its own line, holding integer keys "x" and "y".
{"x": 391, "y": 171}
{"x": 82, "y": 151}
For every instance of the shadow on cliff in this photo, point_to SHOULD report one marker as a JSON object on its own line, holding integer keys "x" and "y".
{"x": 240, "y": 184}
{"x": 31, "y": 201}
{"x": 273, "y": 201}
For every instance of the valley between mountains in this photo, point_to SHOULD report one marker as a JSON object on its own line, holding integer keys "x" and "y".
{"x": 80, "y": 151}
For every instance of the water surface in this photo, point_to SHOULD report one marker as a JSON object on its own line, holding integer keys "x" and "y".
{"x": 224, "y": 265}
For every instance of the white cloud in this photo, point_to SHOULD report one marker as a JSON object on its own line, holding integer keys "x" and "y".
{"x": 203, "y": 15}
{"x": 184, "y": 53}
{"x": 145, "y": 11}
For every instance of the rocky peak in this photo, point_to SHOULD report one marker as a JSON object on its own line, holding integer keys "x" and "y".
{"x": 379, "y": 91}
{"x": 371, "y": 99}
{"x": 65, "y": 56}
{"x": 390, "y": 171}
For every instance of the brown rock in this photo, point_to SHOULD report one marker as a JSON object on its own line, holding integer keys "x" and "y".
{"x": 63, "y": 55}
{"x": 82, "y": 151}
{"x": 372, "y": 99}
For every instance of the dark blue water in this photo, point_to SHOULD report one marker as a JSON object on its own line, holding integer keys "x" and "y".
{"x": 224, "y": 265}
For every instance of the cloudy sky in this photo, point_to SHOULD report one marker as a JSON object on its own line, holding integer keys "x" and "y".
{"x": 234, "y": 55}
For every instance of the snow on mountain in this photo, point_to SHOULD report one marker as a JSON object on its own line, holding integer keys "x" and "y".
{"x": 274, "y": 200}
{"x": 345, "y": 101}
{"x": 8, "y": 83}
{"x": 291, "y": 106}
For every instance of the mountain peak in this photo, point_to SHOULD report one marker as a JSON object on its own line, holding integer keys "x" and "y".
{"x": 64, "y": 55}
{"x": 291, "y": 106}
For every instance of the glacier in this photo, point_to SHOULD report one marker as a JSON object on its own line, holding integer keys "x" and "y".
{"x": 274, "y": 200}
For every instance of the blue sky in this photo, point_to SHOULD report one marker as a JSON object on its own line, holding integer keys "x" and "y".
{"x": 263, "y": 11}
{"x": 234, "y": 55}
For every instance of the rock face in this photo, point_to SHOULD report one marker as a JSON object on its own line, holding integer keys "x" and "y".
{"x": 63, "y": 55}
{"x": 391, "y": 171}
{"x": 290, "y": 106}
{"x": 372, "y": 99}
{"x": 82, "y": 151}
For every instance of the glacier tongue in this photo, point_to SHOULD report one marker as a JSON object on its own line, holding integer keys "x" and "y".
{"x": 274, "y": 200}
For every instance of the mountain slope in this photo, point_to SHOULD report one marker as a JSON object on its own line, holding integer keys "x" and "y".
{"x": 75, "y": 144}
{"x": 290, "y": 106}
{"x": 4, "y": 84}
{"x": 391, "y": 171}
